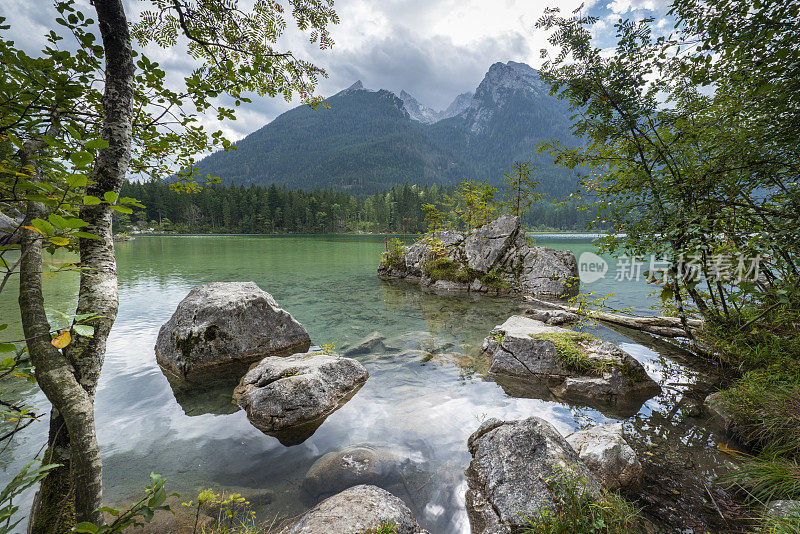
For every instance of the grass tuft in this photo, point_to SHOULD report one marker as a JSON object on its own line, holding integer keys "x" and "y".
{"x": 387, "y": 527}
{"x": 571, "y": 355}
{"x": 577, "y": 511}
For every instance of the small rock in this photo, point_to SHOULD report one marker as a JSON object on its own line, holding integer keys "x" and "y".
{"x": 448, "y": 358}
{"x": 508, "y": 475}
{"x": 281, "y": 393}
{"x": 606, "y": 453}
{"x": 371, "y": 343}
{"x": 446, "y": 285}
{"x": 553, "y": 317}
{"x": 782, "y": 509}
{"x": 418, "y": 340}
{"x": 223, "y": 326}
{"x": 356, "y": 510}
{"x": 718, "y": 411}
{"x": 354, "y": 465}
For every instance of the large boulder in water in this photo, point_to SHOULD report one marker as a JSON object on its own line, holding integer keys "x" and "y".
{"x": 512, "y": 464}
{"x": 357, "y": 510}
{"x": 292, "y": 396}
{"x": 226, "y": 326}
{"x": 573, "y": 366}
{"x": 493, "y": 258}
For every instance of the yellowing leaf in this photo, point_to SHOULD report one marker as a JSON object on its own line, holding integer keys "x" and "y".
{"x": 62, "y": 340}
{"x": 60, "y": 241}
{"x": 34, "y": 229}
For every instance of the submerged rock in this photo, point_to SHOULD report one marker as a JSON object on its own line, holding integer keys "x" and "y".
{"x": 494, "y": 258}
{"x": 512, "y": 462}
{"x": 351, "y": 466}
{"x": 719, "y": 413}
{"x": 296, "y": 393}
{"x": 608, "y": 456}
{"x": 371, "y": 343}
{"x": 224, "y": 326}
{"x": 357, "y": 510}
{"x": 572, "y": 365}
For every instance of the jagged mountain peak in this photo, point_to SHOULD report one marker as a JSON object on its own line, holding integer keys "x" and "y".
{"x": 459, "y": 104}
{"x": 358, "y": 86}
{"x": 503, "y": 77}
{"x": 417, "y": 111}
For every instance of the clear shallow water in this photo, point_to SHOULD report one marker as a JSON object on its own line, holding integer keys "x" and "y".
{"x": 424, "y": 412}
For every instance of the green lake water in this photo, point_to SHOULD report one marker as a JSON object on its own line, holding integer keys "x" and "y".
{"x": 424, "y": 412}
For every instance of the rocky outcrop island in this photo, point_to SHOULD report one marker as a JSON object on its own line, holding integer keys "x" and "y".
{"x": 495, "y": 258}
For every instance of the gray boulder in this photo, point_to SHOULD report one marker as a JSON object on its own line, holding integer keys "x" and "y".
{"x": 357, "y": 464}
{"x": 297, "y": 392}
{"x": 573, "y": 365}
{"x": 494, "y": 258}
{"x": 357, "y": 510}
{"x": 225, "y": 326}
{"x": 485, "y": 246}
{"x": 508, "y": 476}
{"x": 608, "y": 456}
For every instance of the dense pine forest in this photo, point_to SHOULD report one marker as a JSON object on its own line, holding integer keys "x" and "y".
{"x": 234, "y": 208}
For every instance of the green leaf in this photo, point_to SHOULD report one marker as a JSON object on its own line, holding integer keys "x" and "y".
{"x": 86, "y": 527}
{"x": 89, "y": 200}
{"x": 81, "y": 158}
{"x": 77, "y": 180}
{"x": 7, "y": 347}
{"x": 57, "y": 220}
{"x": 110, "y": 196}
{"x": 121, "y": 209}
{"x": 96, "y": 143}
{"x": 74, "y": 222}
{"x": 59, "y": 241}
{"x": 42, "y": 225}
{"x": 86, "y": 235}
{"x": 83, "y": 330}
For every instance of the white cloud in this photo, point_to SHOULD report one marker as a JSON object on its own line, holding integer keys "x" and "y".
{"x": 434, "y": 49}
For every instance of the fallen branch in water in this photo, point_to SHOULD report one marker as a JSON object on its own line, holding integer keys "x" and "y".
{"x": 660, "y": 326}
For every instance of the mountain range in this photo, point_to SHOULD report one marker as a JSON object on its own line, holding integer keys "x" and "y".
{"x": 366, "y": 140}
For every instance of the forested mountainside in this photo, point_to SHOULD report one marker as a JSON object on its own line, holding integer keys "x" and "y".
{"x": 371, "y": 140}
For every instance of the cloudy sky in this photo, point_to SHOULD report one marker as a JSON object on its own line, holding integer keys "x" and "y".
{"x": 434, "y": 49}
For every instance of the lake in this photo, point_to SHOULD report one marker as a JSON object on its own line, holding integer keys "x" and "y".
{"x": 422, "y": 412}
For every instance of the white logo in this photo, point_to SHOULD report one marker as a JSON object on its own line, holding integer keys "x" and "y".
{"x": 592, "y": 267}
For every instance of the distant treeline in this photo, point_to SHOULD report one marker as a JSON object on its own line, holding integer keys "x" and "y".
{"x": 256, "y": 209}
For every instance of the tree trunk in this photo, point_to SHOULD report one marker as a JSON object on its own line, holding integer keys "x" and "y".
{"x": 70, "y": 380}
{"x": 661, "y": 326}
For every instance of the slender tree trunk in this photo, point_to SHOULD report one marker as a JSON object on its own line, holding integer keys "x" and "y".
{"x": 70, "y": 380}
